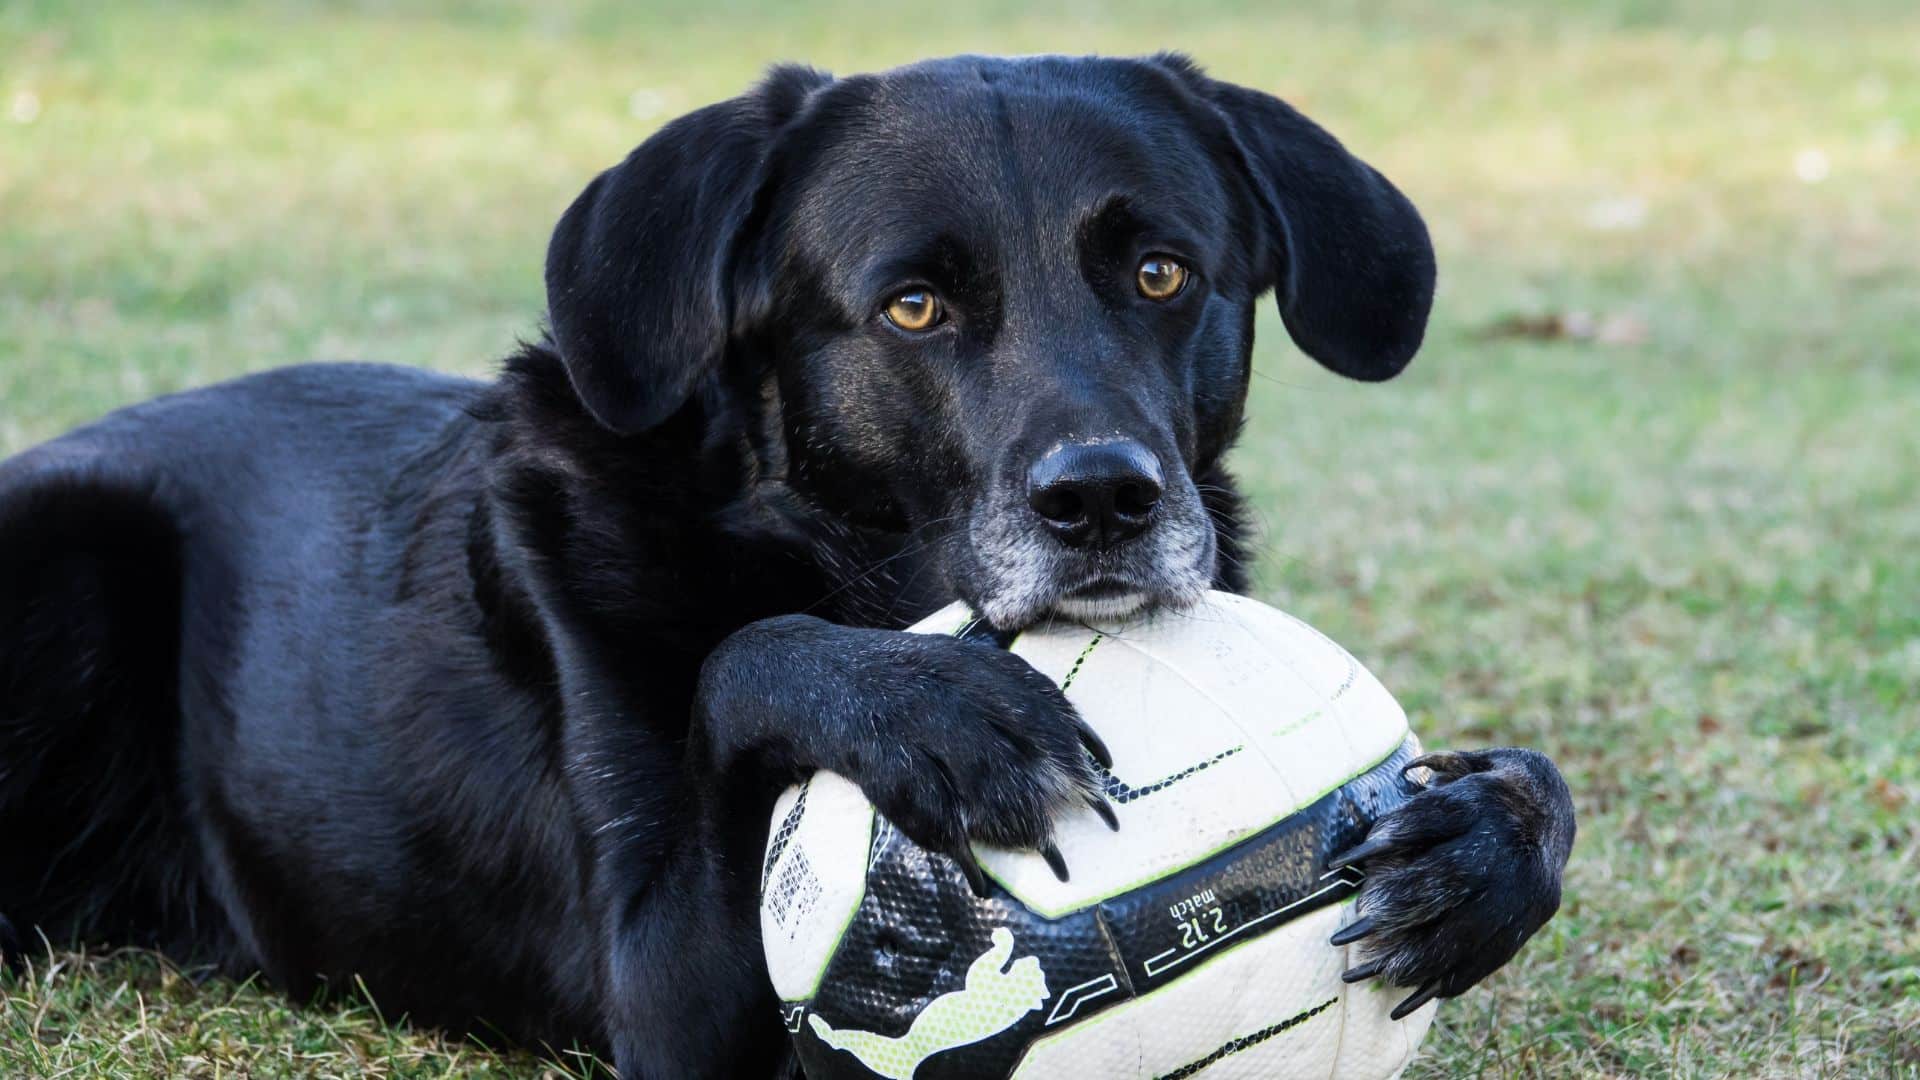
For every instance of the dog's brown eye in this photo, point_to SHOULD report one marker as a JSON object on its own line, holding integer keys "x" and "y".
{"x": 915, "y": 309}
{"x": 1160, "y": 278}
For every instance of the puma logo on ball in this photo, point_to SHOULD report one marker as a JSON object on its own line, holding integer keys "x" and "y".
{"x": 994, "y": 999}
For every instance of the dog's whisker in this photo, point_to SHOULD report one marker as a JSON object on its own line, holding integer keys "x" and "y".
{"x": 912, "y": 545}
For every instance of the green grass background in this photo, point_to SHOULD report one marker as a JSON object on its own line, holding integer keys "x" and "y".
{"x": 1689, "y": 568}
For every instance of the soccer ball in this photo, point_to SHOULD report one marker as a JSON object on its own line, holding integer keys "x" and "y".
{"x": 1247, "y": 748}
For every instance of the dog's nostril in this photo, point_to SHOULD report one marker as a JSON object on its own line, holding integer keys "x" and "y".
{"x": 1136, "y": 498}
{"x": 1057, "y": 503}
{"x": 1095, "y": 493}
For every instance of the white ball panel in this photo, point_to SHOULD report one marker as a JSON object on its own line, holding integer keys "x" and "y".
{"x": 816, "y": 881}
{"x": 1372, "y": 721}
{"x": 1375, "y": 1045}
{"x": 1312, "y": 754}
{"x": 1221, "y": 660}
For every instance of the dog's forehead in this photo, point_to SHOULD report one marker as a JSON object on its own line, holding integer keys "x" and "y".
{"x": 1003, "y": 150}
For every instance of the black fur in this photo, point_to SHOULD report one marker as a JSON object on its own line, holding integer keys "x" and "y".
{"x": 1460, "y": 876}
{"x": 482, "y": 693}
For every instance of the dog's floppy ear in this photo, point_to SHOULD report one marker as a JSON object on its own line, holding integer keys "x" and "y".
{"x": 1347, "y": 254}
{"x": 639, "y": 271}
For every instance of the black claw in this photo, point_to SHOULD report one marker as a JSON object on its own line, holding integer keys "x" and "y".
{"x": 1105, "y": 809}
{"x": 1360, "y": 852}
{"x": 1446, "y": 766}
{"x": 1365, "y": 971}
{"x": 1055, "y": 861}
{"x": 970, "y": 866}
{"x": 1353, "y": 931}
{"x": 1415, "y": 1000}
{"x": 1095, "y": 745}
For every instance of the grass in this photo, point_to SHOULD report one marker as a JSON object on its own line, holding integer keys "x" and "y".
{"x": 1684, "y": 566}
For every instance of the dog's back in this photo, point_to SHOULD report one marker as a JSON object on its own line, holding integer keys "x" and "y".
{"x": 124, "y": 547}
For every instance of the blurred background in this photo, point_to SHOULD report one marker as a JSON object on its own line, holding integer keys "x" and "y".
{"x": 1649, "y": 499}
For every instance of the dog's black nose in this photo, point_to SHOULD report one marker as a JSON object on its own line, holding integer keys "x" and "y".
{"x": 1095, "y": 493}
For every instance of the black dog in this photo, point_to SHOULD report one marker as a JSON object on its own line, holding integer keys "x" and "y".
{"x": 482, "y": 693}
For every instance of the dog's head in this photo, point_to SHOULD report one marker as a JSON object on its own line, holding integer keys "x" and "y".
{"x": 1005, "y": 304}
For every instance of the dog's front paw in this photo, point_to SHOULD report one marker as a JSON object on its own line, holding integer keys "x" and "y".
{"x": 1462, "y": 874}
{"x": 974, "y": 744}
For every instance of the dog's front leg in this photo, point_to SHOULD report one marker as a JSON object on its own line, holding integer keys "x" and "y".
{"x": 686, "y": 988}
